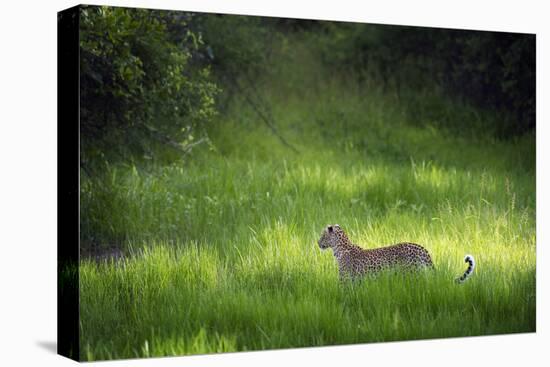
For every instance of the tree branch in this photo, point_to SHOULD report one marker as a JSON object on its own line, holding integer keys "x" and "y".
{"x": 266, "y": 119}
{"x": 172, "y": 143}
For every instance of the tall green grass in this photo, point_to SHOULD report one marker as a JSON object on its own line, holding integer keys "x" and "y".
{"x": 222, "y": 247}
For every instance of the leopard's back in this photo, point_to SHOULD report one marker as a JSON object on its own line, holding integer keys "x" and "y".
{"x": 406, "y": 255}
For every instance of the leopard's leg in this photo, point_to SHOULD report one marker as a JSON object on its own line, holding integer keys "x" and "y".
{"x": 344, "y": 275}
{"x": 341, "y": 275}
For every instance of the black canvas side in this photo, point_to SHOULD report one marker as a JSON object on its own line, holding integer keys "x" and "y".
{"x": 68, "y": 163}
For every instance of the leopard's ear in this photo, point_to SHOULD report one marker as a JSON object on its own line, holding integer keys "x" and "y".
{"x": 330, "y": 229}
{"x": 337, "y": 226}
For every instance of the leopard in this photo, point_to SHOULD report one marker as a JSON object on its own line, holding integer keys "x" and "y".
{"x": 356, "y": 262}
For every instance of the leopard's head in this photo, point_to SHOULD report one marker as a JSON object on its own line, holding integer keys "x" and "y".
{"x": 332, "y": 236}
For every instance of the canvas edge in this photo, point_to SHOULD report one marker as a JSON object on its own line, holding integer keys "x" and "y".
{"x": 68, "y": 167}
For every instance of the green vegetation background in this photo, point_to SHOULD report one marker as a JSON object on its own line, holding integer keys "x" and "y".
{"x": 216, "y": 148}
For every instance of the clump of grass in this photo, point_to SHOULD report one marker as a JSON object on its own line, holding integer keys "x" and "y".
{"x": 225, "y": 243}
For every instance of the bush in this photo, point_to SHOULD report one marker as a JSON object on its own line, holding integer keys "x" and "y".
{"x": 489, "y": 69}
{"x": 144, "y": 83}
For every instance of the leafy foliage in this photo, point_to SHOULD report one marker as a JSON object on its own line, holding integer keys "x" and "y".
{"x": 143, "y": 82}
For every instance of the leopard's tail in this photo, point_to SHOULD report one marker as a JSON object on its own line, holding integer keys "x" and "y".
{"x": 471, "y": 265}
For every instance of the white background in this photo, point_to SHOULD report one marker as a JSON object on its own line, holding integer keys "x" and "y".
{"x": 28, "y": 183}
